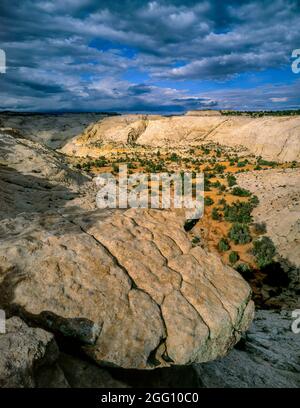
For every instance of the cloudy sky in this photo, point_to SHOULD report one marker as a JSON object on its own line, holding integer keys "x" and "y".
{"x": 149, "y": 56}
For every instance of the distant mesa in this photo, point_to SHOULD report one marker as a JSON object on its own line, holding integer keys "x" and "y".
{"x": 207, "y": 112}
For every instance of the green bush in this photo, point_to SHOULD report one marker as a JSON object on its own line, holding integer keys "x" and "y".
{"x": 222, "y": 188}
{"x": 223, "y": 245}
{"x": 260, "y": 227}
{"x": 174, "y": 157}
{"x": 115, "y": 168}
{"x": 196, "y": 240}
{"x": 242, "y": 163}
{"x": 233, "y": 257}
{"x": 100, "y": 163}
{"x": 241, "y": 192}
{"x": 238, "y": 212}
{"x": 215, "y": 214}
{"x": 262, "y": 162}
{"x": 244, "y": 269}
{"x": 219, "y": 168}
{"x": 264, "y": 251}
{"x": 254, "y": 201}
{"x": 239, "y": 233}
{"x": 208, "y": 201}
{"x": 231, "y": 180}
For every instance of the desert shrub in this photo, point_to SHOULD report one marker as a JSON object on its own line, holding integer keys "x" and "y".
{"x": 115, "y": 168}
{"x": 222, "y": 188}
{"x": 78, "y": 166}
{"x": 238, "y": 212}
{"x": 100, "y": 163}
{"x": 244, "y": 269}
{"x": 174, "y": 157}
{"x": 196, "y": 240}
{"x": 215, "y": 214}
{"x": 294, "y": 164}
{"x": 222, "y": 201}
{"x": 223, "y": 245}
{"x": 131, "y": 165}
{"x": 205, "y": 150}
{"x": 87, "y": 166}
{"x": 233, "y": 257}
{"x": 241, "y": 163}
{"x": 260, "y": 227}
{"x": 216, "y": 184}
{"x": 208, "y": 201}
{"x": 241, "y": 192}
{"x": 254, "y": 201}
{"x": 262, "y": 162}
{"x": 231, "y": 180}
{"x": 219, "y": 168}
{"x": 239, "y": 233}
{"x": 264, "y": 251}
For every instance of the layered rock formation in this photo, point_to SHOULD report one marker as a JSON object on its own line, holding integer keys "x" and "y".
{"x": 143, "y": 297}
{"x": 52, "y": 130}
{"x": 23, "y": 349}
{"x": 274, "y": 138}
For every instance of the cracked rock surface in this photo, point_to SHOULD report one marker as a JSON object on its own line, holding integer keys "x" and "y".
{"x": 133, "y": 275}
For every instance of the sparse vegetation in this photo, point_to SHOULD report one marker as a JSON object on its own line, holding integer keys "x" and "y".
{"x": 233, "y": 257}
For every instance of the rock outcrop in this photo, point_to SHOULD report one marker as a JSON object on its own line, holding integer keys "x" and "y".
{"x": 268, "y": 357}
{"x": 274, "y": 138}
{"x": 143, "y": 297}
{"x": 22, "y": 350}
{"x": 53, "y": 130}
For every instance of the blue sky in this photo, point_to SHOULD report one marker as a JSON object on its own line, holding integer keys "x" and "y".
{"x": 149, "y": 56}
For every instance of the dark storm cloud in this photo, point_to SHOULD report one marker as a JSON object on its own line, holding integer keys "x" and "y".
{"x": 75, "y": 53}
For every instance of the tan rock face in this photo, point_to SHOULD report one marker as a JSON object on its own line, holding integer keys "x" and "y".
{"x": 155, "y": 299}
{"x": 279, "y": 207}
{"x": 274, "y": 138}
{"x": 51, "y": 130}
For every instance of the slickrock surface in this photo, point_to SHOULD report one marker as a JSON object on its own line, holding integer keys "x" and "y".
{"x": 52, "y": 130}
{"x": 21, "y": 349}
{"x": 273, "y": 138}
{"x": 279, "y": 207}
{"x": 269, "y": 356}
{"x": 133, "y": 276}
